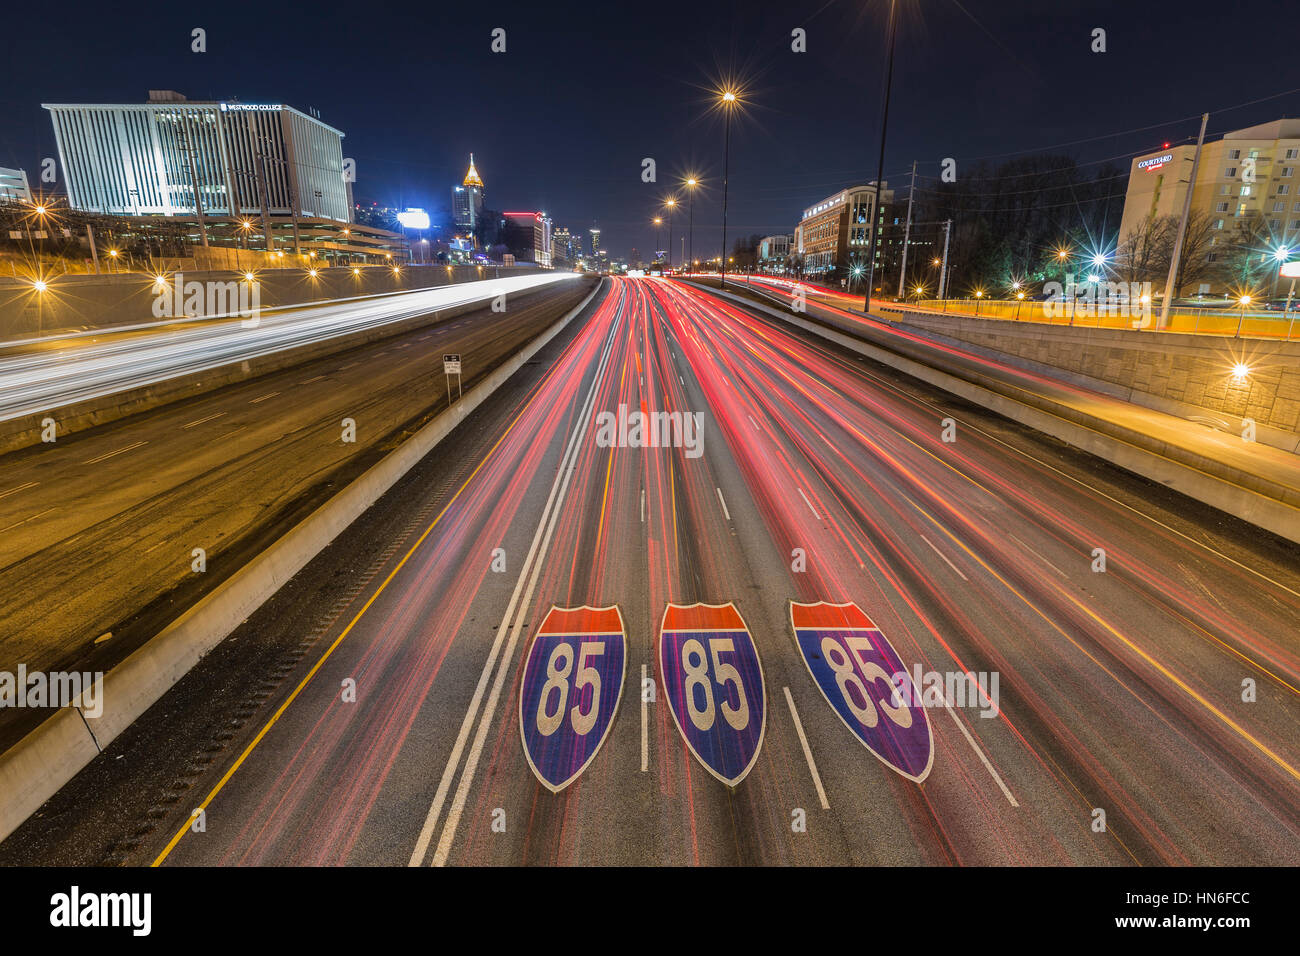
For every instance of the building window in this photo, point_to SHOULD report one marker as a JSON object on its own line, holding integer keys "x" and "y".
{"x": 1225, "y": 190}
{"x": 1279, "y": 207}
{"x": 1245, "y": 190}
{"x": 1287, "y": 171}
{"x": 1212, "y": 257}
{"x": 1295, "y": 223}
{"x": 1218, "y": 224}
{"x": 1283, "y": 188}
{"x": 1230, "y": 172}
{"x": 1234, "y": 154}
{"x": 1221, "y": 207}
{"x": 1293, "y": 154}
{"x": 1275, "y": 224}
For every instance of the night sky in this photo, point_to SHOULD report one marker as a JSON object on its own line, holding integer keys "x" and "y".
{"x": 562, "y": 119}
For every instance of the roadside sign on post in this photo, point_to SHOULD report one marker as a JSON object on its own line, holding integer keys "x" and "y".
{"x": 450, "y": 367}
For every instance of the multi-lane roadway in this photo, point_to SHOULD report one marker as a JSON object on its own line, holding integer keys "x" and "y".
{"x": 98, "y": 529}
{"x": 1137, "y": 652}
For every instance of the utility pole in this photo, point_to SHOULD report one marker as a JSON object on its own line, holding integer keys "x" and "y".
{"x": 94, "y": 255}
{"x": 1174, "y": 261}
{"x": 880, "y": 167}
{"x": 194, "y": 181}
{"x": 943, "y": 269}
{"x": 907, "y": 233}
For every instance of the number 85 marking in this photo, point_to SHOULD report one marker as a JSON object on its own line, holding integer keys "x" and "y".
{"x": 558, "y": 669}
{"x": 697, "y": 675}
{"x": 845, "y": 676}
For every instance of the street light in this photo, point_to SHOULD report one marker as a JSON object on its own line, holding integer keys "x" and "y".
{"x": 1280, "y": 255}
{"x": 728, "y": 106}
{"x": 691, "y": 183}
{"x": 979, "y": 294}
{"x": 671, "y": 204}
{"x": 1244, "y": 302}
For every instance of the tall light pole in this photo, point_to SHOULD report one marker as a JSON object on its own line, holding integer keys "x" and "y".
{"x": 728, "y": 106}
{"x": 880, "y": 166}
{"x": 691, "y": 183}
{"x": 671, "y": 203}
{"x": 658, "y": 222}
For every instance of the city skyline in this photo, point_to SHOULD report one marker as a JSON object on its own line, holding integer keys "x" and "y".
{"x": 789, "y": 150}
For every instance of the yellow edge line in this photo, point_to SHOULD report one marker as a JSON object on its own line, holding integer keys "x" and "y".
{"x": 1170, "y": 675}
{"x": 337, "y": 641}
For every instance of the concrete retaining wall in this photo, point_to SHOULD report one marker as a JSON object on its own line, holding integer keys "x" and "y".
{"x": 74, "y": 303}
{"x": 1185, "y": 375}
{"x": 36, "y": 767}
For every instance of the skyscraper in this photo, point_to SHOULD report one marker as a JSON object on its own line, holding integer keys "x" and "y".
{"x": 595, "y": 242}
{"x": 562, "y": 245}
{"x": 467, "y": 200}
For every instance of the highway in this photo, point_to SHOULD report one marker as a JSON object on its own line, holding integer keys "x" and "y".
{"x": 98, "y": 529}
{"x": 1145, "y": 710}
{"x": 61, "y": 370}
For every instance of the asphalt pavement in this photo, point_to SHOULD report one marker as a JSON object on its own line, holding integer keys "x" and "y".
{"x": 385, "y": 709}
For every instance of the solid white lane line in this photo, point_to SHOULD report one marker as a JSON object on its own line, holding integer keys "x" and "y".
{"x": 724, "y": 504}
{"x": 807, "y": 751}
{"x": 645, "y": 730}
{"x": 471, "y": 762}
{"x": 310, "y": 380}
{"x": 809, "y": 504}
{"x": 954, "y": 567}
{"x": 453, "y": 761}
{"x": 983, "y": 759}
{"x": 200, "y": 421}
{"x": 643, "y": 506}
{"x": 254, "y": 401}
{"x": 33, "y": 484}
{"x": 96, "y": 461}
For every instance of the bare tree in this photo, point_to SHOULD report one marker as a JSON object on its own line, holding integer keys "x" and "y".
{"x": 1143, "y": 254}
{"x": 1194, "y": 264}
{"x": 1242, "y": 262}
